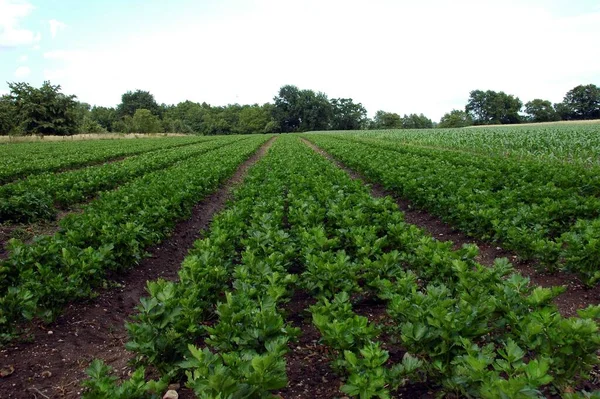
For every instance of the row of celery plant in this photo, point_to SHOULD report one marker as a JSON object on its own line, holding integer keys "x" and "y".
{"x": 472, "y": 330}
{"x": 228, "y": 297}
{"x": 552, "y": 221}
{"x": 22, "y": 159}
{"x": 36, "y": 197}
{"x": 38, "y": 279}
{"x": 501, "y": 172}
{"x": 354, "y": 246}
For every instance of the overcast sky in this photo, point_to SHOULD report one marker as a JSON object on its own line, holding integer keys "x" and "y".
{"x": 400, "y": 56}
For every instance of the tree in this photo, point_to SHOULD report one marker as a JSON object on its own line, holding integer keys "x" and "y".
{"x": 82, "y": 110}
{"x": 414, "y": 121}
{"x": 455, "y": 118}
{"x": 286, "y": 111}
{"x": 301, "y": 110}
{"x": 170, "y": 125}
{"x": 132, "y": 101}
{"x": 215, "y": 122}
{"x": 541, "y": 111}
{"x": 272, "y": 127}
{"x": 563, "y": 111}
{"x": 315, "y": 111}
{"x": 144, "y": 122}
{"x": 253, "y": 119}
{"x": 8, "y": 116}
{"x": 346, "y": 115}
{"x": 386, "y": 120}
{"x": 89, "y": 125}
{"x": 123, "y": 125}
{"x": 190, "y": 113}
{"x": 582, "y": 102}
{"x": 105, "y": 117}
{"x": 490, "y": 107}
{"x": 45, "y": 110}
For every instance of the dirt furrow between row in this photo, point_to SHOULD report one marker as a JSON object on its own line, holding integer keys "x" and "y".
{"x": 308, "y": 362}
{"x": 53, "y": 364}
{"x": 576, "y": 296}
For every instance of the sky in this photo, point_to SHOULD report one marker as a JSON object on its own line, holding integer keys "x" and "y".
{"x": 420, "y": 56}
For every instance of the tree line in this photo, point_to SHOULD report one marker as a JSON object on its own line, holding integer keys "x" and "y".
{"x": 45, "y": 111}
{"x": 48, "y": 111}
{"x": 494, "y": 108}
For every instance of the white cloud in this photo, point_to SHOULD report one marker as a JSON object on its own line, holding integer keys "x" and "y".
{"x": 398, "y": 56}
{"x": 11, "y": 13}
{"x": 22, "y": 72}
{"x": 23, "y": 58}
{"x": 56, "y": 26}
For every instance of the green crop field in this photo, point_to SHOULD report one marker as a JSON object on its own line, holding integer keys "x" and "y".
{"x": 305, "y": 283}
{"x": 534, "y": 190}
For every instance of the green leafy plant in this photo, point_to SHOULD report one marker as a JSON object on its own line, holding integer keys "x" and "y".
{"x": 101, "y": 384}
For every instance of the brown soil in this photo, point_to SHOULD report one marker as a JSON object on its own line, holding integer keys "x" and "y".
{"x": 53, "y": 365}
{"x": 576, "y": 296}
{"x": 6, "y": 233}
{"x": 308, "y": 370}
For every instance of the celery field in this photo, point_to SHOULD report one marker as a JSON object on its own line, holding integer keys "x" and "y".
{"x": 305, "y": 283}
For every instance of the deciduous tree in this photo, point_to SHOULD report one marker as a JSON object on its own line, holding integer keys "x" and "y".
{"x": 44, "y": 111}
{"x": 541, "y": 111}
{"x": 454, "y": 119}
{"x": 490, "y": 107}
{"x": 253, "y": 119}
{"x": 386, "y": 120}
{"x": 414, "y": 121}
{"x": 144, "y": 122}
{"x": 105, "y": 117}
{"x": 301, "y": 110}
{"x": 347, "y": 115}
{"x": 581, "y": 102}
{"x": 8, "y": 116}
{"x": 132, "y": 101}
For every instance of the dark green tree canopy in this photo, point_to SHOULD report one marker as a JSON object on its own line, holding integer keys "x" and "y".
{"x": 346, "y": 115}
{"x": 386, "y": 120}
{"x": 45, "y": 110}
{"x": 132, "y": 101}
{"x": 189, "y": 113}
{"x": 144, "y": 121}
{"x": 490, "y": 107}
{"x": 28, "y": 110}
{"x": 209, "y": 120}
{"x": 581, "y": 102}
{"x": 316, "y": 111}
{"x": 286, "y": 110}
{"x": 8, "y": 115}
{"x": 563, "y": 111}
{"x": 414, "y": 121}
{"x": 106, "y": 117}
{"x": 253, "y": 119}
{"x": 541, "y": 111}
{"x": 298, "y": 110}
{"x": 455, "y": 118}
